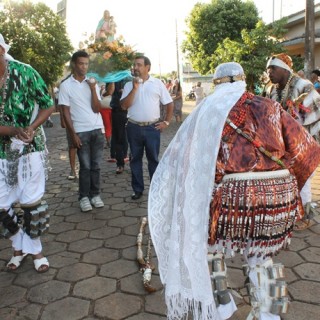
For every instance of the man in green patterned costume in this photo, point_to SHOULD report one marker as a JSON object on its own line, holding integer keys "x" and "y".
{"x": 25, "y": 104}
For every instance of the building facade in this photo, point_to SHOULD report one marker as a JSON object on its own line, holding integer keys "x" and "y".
{"x": 294, "y": 41}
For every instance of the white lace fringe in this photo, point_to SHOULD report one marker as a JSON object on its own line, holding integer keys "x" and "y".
{"x": 180, "y": 308}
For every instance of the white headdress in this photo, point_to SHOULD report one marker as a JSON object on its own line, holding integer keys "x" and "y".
{"x": 281, "y": 60}
{"x": 179, "y": 199}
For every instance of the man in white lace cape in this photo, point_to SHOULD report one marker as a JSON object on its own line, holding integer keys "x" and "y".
{"x": 182, "y": 254}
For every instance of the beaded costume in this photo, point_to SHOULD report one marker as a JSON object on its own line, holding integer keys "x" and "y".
{"x": 253, "y": 198}
{"x": 211, "y": 170}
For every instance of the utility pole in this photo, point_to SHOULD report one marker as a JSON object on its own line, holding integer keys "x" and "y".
{"x": 309, "y": 38}
{"x": 177, "y": 48}
{"x": 272, "y": 10}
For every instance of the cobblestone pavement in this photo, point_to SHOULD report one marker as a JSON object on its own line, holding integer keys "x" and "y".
{"x": 93, "y": 271}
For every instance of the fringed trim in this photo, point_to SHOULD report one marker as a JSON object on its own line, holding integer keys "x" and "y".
{"x": 180, "y": 308}
{"x": 254, "y": 214}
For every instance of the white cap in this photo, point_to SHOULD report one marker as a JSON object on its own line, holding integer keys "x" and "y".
{"x": 273, "y": 61}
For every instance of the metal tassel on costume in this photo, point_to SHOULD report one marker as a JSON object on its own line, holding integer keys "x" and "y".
{"x": 270, "y": 292}
{"x": 243, "y": 208}
{"x": 13, "y": 157}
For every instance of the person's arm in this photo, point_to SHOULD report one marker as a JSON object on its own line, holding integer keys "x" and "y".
{"x": 178, "y": 95}
{"x": 127, "y": 102}
{"x": 169, "y": 112}
{"x": 165, "y": 123}
{"x": 69, "y": 125}
{"x": 11, "y": 131}
{"x": 109, "y": 90}
{"x": 42, "y": 116}
{"x": 95, "y": 101}
{"x": 62, "y": 122}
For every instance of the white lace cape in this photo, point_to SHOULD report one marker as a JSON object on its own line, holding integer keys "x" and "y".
{"x": 178, "y": 206}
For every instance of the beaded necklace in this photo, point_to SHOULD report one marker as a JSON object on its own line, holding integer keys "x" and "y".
{"x": 283, "y": 93}
{"x": 257, "y": 144}
{"x": 240, "y": 116}
{"x": 4, "y": 81}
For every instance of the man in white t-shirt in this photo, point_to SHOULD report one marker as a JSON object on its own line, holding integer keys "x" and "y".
{"x": 142, "y": 98}
{"x": 80, "y": 101}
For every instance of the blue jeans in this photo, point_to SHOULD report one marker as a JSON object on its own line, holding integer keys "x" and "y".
{"x": 90, "y": 156}
{"x": 140, "y": 139}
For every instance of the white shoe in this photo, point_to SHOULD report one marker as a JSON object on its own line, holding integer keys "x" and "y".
{"x": 97, "y": 202}
{"x": 85, "y": 204}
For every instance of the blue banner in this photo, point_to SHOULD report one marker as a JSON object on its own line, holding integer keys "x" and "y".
{"x": 111, "y": 77}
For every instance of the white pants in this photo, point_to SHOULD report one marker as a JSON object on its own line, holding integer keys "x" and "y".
{"x": 30, "y": 189}
{"x": 306, "y": 193}
{"x": 227, "y": 310}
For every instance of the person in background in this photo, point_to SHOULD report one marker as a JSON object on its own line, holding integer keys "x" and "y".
{"x": 25, "y": 105}
{"x": 240, "y": 196}
{"x": 301, "y": 74}
{"x": 106, "y": 112}
{"x": 198, "y": 91}
{"x": 315, "y": 79}
{"x": 177, "y": 100}
{"x": 80, "y": 101}
{"x": 142, "y": 97}
{"x": 119, "y": 120}
{"x": 56, "y": 95}
{"x": 300, "y": 99}
{"x": 169, "y": 85}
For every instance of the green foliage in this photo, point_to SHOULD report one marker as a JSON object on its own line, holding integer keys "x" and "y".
{"x": 252, "y": 50}
{"x": 230, "y": 30}
{"x": 209, "y": 24}
{"x": 37, "y": 37}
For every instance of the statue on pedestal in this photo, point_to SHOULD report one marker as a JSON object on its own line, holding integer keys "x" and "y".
{"x": 106, "y": 28}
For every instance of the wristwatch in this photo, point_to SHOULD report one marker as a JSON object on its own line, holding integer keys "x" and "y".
{"x": 167, "y": 123}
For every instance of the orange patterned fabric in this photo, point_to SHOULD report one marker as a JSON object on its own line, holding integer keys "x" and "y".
{"x": 263, "y": 210}
{"x": 278, "y": 132}
{"x": 285, "y": 58}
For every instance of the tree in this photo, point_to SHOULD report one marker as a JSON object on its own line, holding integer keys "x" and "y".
{"x": 37, "y": 37}
{"x": 209, "y": 24}
{"x": 253, "y": 50}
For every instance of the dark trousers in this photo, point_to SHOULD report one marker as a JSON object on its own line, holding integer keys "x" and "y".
{"x": 142, "y": 138}
{"x": 119, "y": 142}
{"x": 90, "y": 156}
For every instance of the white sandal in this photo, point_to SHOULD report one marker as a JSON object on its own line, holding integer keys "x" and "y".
{"x": 16, "y": 261}
{"x": 41, "y": 262}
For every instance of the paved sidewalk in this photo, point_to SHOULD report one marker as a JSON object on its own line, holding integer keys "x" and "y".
{"x": 93, "y": 271}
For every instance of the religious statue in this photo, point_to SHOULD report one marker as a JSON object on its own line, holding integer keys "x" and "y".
{"x": 106, "y": 28}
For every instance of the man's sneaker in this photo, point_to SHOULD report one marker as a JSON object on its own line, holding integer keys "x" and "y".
{"x": 97, "y": 202}
{"x": 85, "y": 204}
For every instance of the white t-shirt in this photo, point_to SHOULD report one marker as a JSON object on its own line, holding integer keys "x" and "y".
{"x": 146, "y": 102}
{"x": 77, "y": 96}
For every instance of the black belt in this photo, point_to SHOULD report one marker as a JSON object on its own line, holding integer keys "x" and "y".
{"x": 143, "y": 124}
